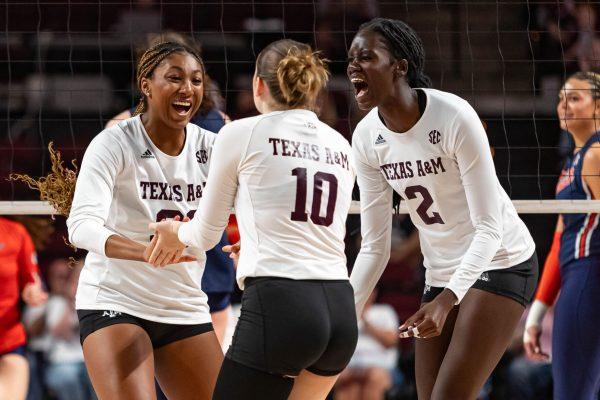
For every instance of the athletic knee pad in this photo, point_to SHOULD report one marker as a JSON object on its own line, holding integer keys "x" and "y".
{"x": 238, "y": 382}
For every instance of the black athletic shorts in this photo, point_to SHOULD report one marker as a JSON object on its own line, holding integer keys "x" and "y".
{"x": 160, "y": 334}
{"x": 517, "y": 282}
{"x": 289, "y": 325}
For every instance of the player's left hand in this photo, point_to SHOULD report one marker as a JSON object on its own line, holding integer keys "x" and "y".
{"x": 167, "y": 247}
{"x": 430, "y": 319}
{"x": 33, "y": 293}
{"x": 234, "y": 252}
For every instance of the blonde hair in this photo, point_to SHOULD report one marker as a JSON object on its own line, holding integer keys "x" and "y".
{"x": 293, "y": 72}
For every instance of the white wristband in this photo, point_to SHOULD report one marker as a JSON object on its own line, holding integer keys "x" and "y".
{"x": 536, "y": 314}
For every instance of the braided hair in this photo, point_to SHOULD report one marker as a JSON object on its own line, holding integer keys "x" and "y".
{"x": 58, "y": 187}
{"x": 592, "y": 78}
{"x": 152, "y": 59}
{"x": 404, "y": 44}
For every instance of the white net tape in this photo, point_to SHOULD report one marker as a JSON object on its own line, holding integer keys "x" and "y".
{"x": 522, "y": 206}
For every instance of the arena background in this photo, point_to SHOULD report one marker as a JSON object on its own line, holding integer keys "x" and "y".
{"x": 67, "y": 67}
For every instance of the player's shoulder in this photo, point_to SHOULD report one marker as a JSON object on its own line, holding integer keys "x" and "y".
{"x": 369, "y": 121}
{"x": 445, "y": 101}
{"x": 117, "y": 134}
{"x": 200, "y": 135}
{"x": 591, "y": 159}
{"x": 332, "y": 134}
{"x": 368, "y": 126}
{"x": 243, "y": 124}
{"x": 244, "y": 129}
{"x": 452, "y": 115}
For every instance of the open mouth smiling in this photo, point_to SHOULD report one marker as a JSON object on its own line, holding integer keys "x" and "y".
{"x": 182, "y": 107}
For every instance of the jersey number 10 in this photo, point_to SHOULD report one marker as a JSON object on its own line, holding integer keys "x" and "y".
{"x": 299, "y": 213}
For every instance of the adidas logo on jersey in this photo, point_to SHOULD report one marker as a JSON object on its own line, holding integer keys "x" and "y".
{"x": 380, "y": 140}
{"x": 147, "y": 154}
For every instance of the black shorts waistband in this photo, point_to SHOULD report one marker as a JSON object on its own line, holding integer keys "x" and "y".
{"x": 253, "y": 280}
{"x": 517, "y": 282}
{"x": 160, "y": 334}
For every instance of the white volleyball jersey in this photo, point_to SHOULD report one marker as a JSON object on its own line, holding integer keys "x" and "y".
{"x": 290, "y": 177}
{"x": 124, "y": 184}
{"x": 443, "y": 170}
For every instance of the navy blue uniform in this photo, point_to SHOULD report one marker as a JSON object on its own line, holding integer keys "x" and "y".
{"x": 219, "y": 275}
{"x": 576, "y": 334}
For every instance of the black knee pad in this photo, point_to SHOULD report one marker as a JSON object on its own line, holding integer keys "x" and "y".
{"x": 238, "y": 382}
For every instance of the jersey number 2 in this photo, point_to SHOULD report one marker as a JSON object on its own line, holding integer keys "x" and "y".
{"x": 171, "y": 214}
{"x": 299, "y": 213}
{"x": 422, "y": 210}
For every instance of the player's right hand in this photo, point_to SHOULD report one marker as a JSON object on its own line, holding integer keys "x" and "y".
{"x": 531, "y": 343}
{"x": 176, "y": 260}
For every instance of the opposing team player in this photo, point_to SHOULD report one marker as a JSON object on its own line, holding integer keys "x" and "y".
{"x": 573, "y": 264}
{"x": 290, "y": 177}
{"x": 430, "y": 148}
{"x": 19, "y": 280}
{"x": 137, "y": 320}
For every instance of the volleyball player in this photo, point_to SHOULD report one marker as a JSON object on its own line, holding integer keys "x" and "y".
{"x": 290, "y": 177}
{"x": 219, "y": 276}
{"x": 136, "y": 320}
{"x": 208, "y": 115}
{"x": 19, "y": 280}
{"x": 573, "y": 264}
{"x": 430, "y": 148}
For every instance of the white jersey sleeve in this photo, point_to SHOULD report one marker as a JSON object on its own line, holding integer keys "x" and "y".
{"x": 103, "y": 161}
{"x": 376, "y": 224}
{"x": 474, "y": 159}
{"x": 205, "y": 229}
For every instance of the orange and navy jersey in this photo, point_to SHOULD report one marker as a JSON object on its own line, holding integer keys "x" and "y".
{"x": 581, "y": 236}
{"x": 18, "y": 267}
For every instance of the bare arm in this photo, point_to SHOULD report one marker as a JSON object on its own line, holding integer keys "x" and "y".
{"x": 591, "y": 171}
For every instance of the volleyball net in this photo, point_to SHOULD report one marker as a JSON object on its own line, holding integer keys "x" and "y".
{"x": 68, "y": 67}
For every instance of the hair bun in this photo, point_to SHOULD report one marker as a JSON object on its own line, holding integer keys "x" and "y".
{"x": 301, "y": 74}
